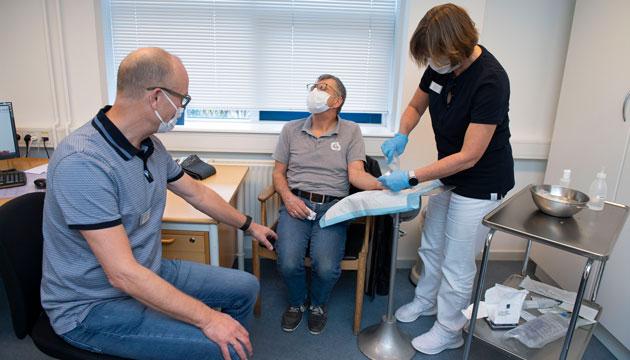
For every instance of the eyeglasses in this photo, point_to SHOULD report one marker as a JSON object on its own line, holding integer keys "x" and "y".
{"x": 185, "y": 98}
{"x": 321, "y": 86}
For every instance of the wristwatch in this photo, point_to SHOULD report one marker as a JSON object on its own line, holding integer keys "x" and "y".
{"x": 247, "y": 224}
{"x": 413, "y": 180}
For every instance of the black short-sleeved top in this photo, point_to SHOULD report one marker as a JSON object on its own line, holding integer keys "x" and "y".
{"x": 479, "y": 95}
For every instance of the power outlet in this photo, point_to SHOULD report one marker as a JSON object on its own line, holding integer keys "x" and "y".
{"x": 37, "y": 134}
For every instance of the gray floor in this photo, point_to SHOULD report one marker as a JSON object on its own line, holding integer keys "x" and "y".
{"x": 337, "y": 341}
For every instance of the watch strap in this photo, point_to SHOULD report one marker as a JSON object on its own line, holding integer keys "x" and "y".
{"x": 247, "y": 223}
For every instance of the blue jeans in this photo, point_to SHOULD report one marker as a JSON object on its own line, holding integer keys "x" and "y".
{"x": 327, "y": 247}
{"x": 125, "y": 327}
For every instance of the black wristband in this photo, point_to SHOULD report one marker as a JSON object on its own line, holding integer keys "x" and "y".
{"x": 247, "y": 224}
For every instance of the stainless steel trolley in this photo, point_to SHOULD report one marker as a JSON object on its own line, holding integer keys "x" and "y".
{"x": 591, "y": 234}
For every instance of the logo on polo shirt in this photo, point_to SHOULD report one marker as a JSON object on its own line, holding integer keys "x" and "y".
{"x": 335, "y": 146}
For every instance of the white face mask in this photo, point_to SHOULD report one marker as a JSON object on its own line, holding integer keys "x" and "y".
{"x": 169, "y": 125}
{"x": 317, "y": 101}
{"x": 444, "y": 69}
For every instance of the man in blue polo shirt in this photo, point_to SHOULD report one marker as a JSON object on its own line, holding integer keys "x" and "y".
{"x": 104, "y": 285}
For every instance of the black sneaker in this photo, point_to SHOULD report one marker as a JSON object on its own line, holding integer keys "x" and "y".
{"x": 317, "y": 319}
{"x": 292, "y": 317}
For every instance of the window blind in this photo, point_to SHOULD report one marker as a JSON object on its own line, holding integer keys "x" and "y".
{"x": 259, "y": 55}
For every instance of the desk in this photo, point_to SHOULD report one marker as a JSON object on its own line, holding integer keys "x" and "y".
{"x": 185, "y": 230}
{"x": 20, "y": 164}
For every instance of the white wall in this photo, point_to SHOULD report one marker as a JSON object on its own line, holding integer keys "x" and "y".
{"x": 53, "y": 71}
{"x": 52, "y": 62}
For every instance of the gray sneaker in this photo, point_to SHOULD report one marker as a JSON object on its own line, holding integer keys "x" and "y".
{"x": 317, "y": 319}
{"x": 292, "y": 317}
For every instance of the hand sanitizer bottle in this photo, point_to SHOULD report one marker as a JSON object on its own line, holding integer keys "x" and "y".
{"x": 597, "y": 192}
{"x": 565, "y": 180}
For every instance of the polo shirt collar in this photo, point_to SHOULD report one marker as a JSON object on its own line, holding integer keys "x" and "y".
{"x": 309, "y": 122}
{"x": 115, "y": 138}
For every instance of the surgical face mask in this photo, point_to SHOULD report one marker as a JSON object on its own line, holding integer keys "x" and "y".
{"x": 444, "y": 69}
{"x": 317, "y": 101}
{"x": 169, "y": 125}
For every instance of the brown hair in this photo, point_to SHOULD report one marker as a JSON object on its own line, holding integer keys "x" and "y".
{"x": 445, "y": 31}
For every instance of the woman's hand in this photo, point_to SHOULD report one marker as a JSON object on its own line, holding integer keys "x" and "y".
{"x": 394, "y": 146}
{"x": 396, "y": 181}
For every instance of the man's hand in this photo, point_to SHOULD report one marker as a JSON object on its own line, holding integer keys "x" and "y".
{"x": 262, "y": 234}
{"x": 224, "y": 330}
{"x": 296, "y": 207}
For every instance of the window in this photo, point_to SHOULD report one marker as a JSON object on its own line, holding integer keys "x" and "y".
{"x": 249, "y": 60}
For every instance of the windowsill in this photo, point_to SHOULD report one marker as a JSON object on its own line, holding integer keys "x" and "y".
{"x": 261, "y": 138}
{"x": 267, "y": 127}
{"x": 247, "y": 137}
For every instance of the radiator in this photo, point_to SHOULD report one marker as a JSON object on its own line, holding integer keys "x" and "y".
{"x": 258, "y": 178}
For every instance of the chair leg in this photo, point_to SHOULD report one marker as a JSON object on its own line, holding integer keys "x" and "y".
{"x": 358, "y": 305}
{"x": 256, "y": 270}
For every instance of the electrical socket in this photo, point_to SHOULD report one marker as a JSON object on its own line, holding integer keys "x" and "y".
{"x": 36, "y": 136}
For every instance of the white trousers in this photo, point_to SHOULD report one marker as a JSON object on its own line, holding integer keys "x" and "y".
{"x": 452, "y": 237}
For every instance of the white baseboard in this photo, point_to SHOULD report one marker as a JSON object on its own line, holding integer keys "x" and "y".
{"x": 505, "y": 255}
{"x": 408, "y": 263}
{"x": 611, "y": 343}
{"x": 405, "y": 263}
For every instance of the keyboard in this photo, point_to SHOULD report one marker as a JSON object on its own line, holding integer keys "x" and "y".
{"x": 12, "y": 178}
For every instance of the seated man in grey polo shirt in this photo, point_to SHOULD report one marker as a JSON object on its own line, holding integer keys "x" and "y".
{"x": 104, "y": 285}
{"x": 317, "y": 159}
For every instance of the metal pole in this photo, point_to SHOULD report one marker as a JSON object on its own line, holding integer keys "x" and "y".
{"x": 477, "y": 293}
{"x": 576, "y": 309}
{"x": 385, "y": 341}
{"x": 392, "y": 268}
{"x": 598, "y": 280}
{"x": 526, "y": 261}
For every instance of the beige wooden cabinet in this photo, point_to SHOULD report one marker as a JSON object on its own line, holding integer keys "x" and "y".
{"x": 188, "y": 234}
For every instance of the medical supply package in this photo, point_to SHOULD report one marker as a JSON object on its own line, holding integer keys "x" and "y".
{"x": 376, "y": 202}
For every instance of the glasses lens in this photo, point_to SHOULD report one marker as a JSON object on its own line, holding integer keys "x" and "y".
{"x": 185, "y": 100}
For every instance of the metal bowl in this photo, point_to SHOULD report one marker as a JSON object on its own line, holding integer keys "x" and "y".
{"x": 558, "y": 201}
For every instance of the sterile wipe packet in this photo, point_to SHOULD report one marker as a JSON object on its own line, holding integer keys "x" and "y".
{"x": 504, "y": 304}
{"x": 540, "y": 331}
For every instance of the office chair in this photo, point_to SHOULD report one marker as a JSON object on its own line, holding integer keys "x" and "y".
{"x": 355, "y": 258}
{"x": 21, "y": 244}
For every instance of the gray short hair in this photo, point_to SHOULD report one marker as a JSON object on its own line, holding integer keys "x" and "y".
{"x": 340, "y": 87}
{"x": 141, "y": 69}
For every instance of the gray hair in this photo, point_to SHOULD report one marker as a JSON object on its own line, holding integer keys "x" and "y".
{"x": 143, "y": 68}
{"x": 340, "y": 87}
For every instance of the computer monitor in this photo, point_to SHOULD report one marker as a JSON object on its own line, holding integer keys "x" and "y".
{"x": 8, "y": 140}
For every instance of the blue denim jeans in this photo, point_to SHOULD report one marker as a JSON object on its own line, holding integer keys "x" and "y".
{"x": 327, "y": 247}
{"x": 127, "y": 328}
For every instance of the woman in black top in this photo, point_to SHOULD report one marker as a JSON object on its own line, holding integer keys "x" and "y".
{"x": 467, "y": 92}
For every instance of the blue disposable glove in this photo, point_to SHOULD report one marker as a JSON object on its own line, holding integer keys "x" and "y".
{"x": 394, "y": 146}
{"x": 396, "y": 181}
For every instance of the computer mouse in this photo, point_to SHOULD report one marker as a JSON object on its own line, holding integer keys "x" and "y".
{"x": 40, "y": 183}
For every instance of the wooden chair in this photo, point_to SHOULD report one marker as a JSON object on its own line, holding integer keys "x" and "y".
{"x": 355, "y": 256}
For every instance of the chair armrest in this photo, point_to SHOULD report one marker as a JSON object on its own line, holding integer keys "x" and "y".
{"x": 266, "y": 193}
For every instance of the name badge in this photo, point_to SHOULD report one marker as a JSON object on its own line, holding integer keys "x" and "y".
{"x": 145, "y": 217}
{"x": 435, "y": 87}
